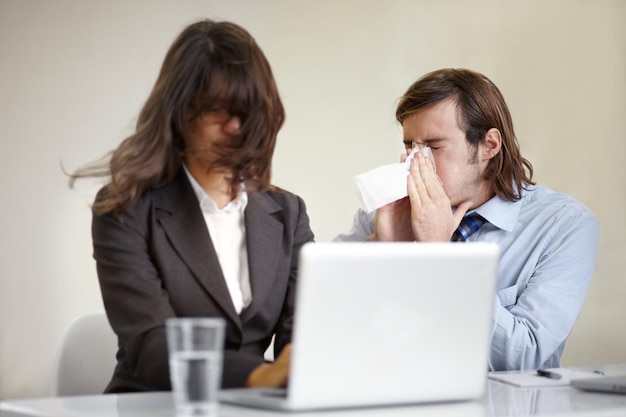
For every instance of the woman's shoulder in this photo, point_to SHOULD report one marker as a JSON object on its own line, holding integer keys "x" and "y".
{"x": 139, "y": 208}
{"x": 279, "y": 198}
{"x": 281, "y": 195}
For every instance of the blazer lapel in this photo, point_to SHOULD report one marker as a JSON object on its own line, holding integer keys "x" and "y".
{"x": 180, "y": 215}
{"x": 264, "y": 236}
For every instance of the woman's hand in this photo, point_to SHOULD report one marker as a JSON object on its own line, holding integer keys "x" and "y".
{"x": 272, "y": 374}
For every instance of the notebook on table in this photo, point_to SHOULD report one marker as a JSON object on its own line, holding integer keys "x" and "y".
{"x": 386, "y": 324}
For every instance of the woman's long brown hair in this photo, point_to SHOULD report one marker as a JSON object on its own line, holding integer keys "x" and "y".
{"x": 210, "y": 65}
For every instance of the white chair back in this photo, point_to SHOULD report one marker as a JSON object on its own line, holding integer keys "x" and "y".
{"x": 86, "y": 356}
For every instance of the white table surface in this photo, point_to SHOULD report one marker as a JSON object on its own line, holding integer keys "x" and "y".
{"x": 500, "y": 400}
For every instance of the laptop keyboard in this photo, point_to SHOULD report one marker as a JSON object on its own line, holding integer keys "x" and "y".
{"x": 274, "y": 392}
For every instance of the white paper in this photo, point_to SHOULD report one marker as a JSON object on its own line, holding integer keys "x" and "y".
{"x": 386, "y": 184}
{"x": 532, "y": 379}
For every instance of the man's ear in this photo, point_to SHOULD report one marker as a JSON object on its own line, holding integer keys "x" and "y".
{"x": 491, "y": 144}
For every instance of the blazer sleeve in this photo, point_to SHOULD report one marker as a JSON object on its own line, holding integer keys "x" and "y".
{"x": 302, "y": 235}
{"x": 135, "y": 300}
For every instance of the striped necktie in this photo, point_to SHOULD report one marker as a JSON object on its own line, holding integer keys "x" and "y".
{"x": 469, "y": 225}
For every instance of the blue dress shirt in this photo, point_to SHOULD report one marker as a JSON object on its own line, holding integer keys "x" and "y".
{"x": 549, "y": 244}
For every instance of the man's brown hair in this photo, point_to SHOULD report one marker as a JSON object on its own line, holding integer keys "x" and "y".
{"x": 480, "y": 107}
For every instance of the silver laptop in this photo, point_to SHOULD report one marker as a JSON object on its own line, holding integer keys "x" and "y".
{"x": 386, "y": 324}
{"x": 608, "y": 384}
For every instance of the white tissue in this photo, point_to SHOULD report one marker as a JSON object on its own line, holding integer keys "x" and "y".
{"x": 386, "y": 184}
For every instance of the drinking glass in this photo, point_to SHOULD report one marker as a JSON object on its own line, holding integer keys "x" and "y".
{"x": 195, "y": 347}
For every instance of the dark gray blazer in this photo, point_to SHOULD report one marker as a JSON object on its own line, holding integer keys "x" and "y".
{"x": 159, "y": 262}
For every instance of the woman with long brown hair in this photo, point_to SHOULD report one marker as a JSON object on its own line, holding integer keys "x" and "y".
{"x": 188, "y": 224}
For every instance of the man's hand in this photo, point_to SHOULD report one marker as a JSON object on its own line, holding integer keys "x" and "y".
{"x": 272, "y": 374}
{"x": 432, "y": 219}
{"x": 393, "y": 222}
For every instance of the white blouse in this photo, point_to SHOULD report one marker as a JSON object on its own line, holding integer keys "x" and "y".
{"x": 227, "y": 229}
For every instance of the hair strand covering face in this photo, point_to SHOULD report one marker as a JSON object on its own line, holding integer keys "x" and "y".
{"x": 210, "y": 64}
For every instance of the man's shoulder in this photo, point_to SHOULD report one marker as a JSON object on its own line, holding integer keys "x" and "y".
{"x": 544, "y": 195}
{"x": 548, "y": 201}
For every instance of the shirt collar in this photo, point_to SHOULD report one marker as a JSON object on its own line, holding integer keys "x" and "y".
{"x": 502, "y": 214}
{"x": 208, "y": 205}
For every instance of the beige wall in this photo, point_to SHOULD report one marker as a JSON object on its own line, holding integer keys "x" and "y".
{"x": 73, "y": 75}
